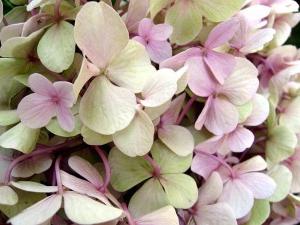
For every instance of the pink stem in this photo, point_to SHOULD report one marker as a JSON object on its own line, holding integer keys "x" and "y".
{"x": 155, "y": 166}
{"x": 57, "y": 14}
{"x": 58, "y": 177}
{"x": 128, "y": 215}
{"x": 186, "y": 108}
{"x": 106, "y": 167}
{"x": 37, "y": 152}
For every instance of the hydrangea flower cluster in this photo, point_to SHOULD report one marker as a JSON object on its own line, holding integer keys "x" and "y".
{"x": 149, "y": 112}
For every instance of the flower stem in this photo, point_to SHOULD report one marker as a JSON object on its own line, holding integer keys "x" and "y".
{"x": 155, "y": 166}
{"x": 185, "y": 109}
{"x": 58, "y": 177}
{"x": 37, "y": 152}
{"x": 106, "y": 167}
{"x": 128, "y": 215}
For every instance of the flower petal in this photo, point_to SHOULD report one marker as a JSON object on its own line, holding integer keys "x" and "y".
{"x": 161, "y": 32}
{"x": 41, "y": 85}
{"x": 106, "y": 108}
{"x": 131, "y": 68}
{"x": 222, "y": 117}
{"x": 137, "y": 138}
{"x": 30, "y": 186}
{"x": 159, "y": 50}
{"x": 65, "y": 118}
{"x": 38, "y": 213}
{"x": 240, "y": 139}
{"x": 145, "y": 27}
{"x": 204, "y": 165}
{"x": 86, "y": 170}
{"x": 8, "y": 196}
{"x": 241, "y": 86}
{"x": 260, "y": 111}
{"x": 200, "y": 79}
{"x": 220, "y": 64}
{"x": 35, "y": 110}
{"x": 210, "y": 191}
{"x": 256, "y": 163}
{"x": 137, "y": 10}
{"x": 177, "y": 138}
{"x": 261, "y": 185}
{"x": 238, "y": 197}
{"x": 84, "y": 210}
{"x": 65, "y": 93}
{"x": 160, "y": 88}
{"x": 98, "y": 38}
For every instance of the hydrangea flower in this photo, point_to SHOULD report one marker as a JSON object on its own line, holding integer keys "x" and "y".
{"x": 155, "y": 39}
{"x": 47, "y": 101}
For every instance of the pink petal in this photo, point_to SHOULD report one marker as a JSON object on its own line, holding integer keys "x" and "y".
{"x": 137, "y": 10}
{"x": 238, "y": 197}
{"x": 41, "y": 85}
{"x": 65, "y": 118}
{"x": 38, "y": 213}
{"x": 211, "y": 145}
{"x": 35, "y": 110}
{"x": 204, "y": 165}
{"x": 261, "y": 185}
{"x": 220, "y": 64}
{"x": 222, "y": 117}
{"x": 200, "y": 80}
{"x": 240, "y": 139}
{"x": 159, "y": 50}
{"x": 202, "y": 117}
{"x": 221, "y": 33}
{"x": 171, "y": 115}
{"x": 65, "y": 93}
{"x": 178, "y": 61}
{"x": 256, "y": 163}
{"x": 86, "y": 170}
{"x": 82, "y": 187}
{"x": 145, "y": 27}
{"x": 140, "y": 40}
{"x": 161, "y": 32}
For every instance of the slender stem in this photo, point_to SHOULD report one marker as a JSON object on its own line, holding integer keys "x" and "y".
{"x": 106, "y": 167}
{"x": 155, "y": 166}
{"x": 128, "y": 215}
{"x": 37, "y": 152}
{"x": 185, "y": 109}
{"x": 57, "y": 175}
{"x": 113, "y": 199}
{"x": 57, "y": 14}
{"x": 221, "y": 161}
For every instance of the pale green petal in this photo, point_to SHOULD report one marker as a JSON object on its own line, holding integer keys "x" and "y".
{"x": 177, "y": 138}
{"x": 149, "y": 197}
{"x": 157, "y": 5}
{"x": 281, "y": 144}
{"x": 92, "y": 138}
{"x": 245, "y": 111}
{"x": 186, "y": 19}
{"x": 20, "y": 47}
{"x": 25, "y": 200}
{"x": 283, "y": 179}
{"x": 106, "y": 108}
{"x": 220, "y": 10}
{"x": 137, "y": 138}
{"x": 8, "y": 196}
{"x": 259, "y": 213}
{"x": 126, "y": 171}
{"x": 54, "y": 127}
{"x": 8, "y": 117}
{"x": 20, "y": 138}
{"x": 131, "y": 68}
{"x": 156, "y": 112}
{"x": 168, "y": 161}
{"x": 100, "y": 33}
{"x": 181, "y": 190}
{"x": 290, "y": 117}
{"x": 56, "y": 48}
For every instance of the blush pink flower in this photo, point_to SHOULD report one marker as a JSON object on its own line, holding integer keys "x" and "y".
{"x": 242, "y": 183}
{"x": 47, "y": 101}
{"x": 155, "y": 39}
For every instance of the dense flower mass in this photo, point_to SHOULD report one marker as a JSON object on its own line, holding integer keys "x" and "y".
{"x": 149, "y": 112}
